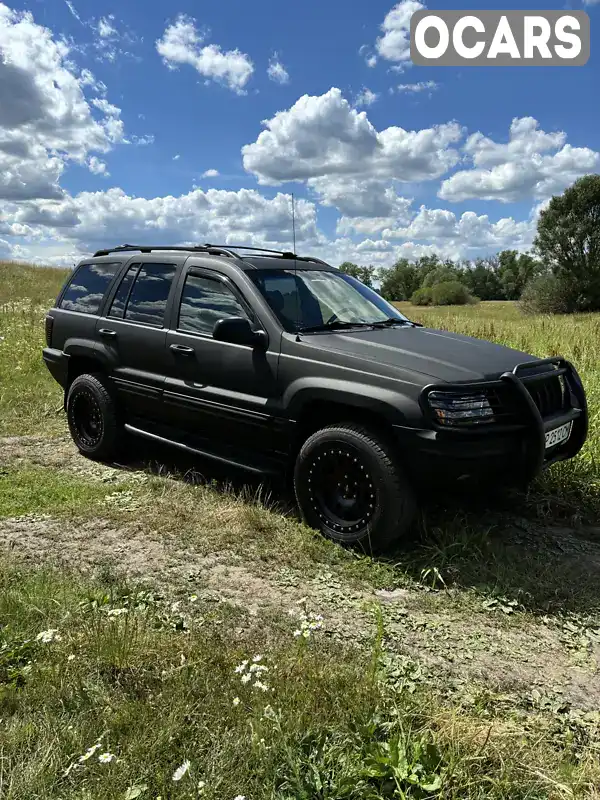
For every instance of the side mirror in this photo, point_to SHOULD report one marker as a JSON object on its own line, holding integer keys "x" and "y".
{"x": 237, "y": 330}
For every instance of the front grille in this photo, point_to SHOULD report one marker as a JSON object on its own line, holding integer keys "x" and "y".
{"x": 549, "y": 395}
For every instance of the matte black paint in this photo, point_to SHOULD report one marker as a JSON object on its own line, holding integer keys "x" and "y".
{"x": 214, "y": 396}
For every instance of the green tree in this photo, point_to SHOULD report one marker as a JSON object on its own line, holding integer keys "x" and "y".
{"x": 399, "y": 282}
{"x": 568, "y": 242}
{"x": 483, "y": 280}
{"x": 515, "y": 271}
{"x": 364, "y": 274}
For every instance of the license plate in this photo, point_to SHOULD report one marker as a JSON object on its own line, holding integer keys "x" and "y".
{"x": 558, "y": 435}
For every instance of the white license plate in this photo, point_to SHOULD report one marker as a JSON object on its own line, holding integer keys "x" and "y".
{"x": 558, "y": 435}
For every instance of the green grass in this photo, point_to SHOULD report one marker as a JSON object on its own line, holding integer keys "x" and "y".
{"x": 155, "y": 685}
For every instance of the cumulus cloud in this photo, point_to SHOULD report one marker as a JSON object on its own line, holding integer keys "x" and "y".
{"x": 181, "y": 43}
{"x": 210, "y": 173}
{"x": 394, "y": 45}
{"x": 365, "y": 98}
{"x": 277, "y": 72}
{"x": 321, "y": 136}
{"x": 45, "y": 117}
{"x": 532, "y": 163}
{"x": 470, "y": 232}
{"x": 97, "y": 167}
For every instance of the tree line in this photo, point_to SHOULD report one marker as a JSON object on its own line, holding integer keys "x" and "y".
{"x": 560, "y": 275}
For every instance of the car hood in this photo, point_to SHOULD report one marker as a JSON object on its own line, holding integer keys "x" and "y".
{"x": 441, "y": 355}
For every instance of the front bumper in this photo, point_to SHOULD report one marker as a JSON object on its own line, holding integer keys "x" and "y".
{"x": 511, "y": 453}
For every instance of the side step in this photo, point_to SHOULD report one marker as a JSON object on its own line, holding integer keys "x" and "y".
{"x": 232, "y": 462}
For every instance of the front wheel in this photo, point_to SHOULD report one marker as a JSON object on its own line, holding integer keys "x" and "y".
{"x": 93, "y": 418}
{"x": 350, "y": 487}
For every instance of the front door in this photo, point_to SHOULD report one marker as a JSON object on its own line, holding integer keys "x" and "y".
{"x": 218, "y": 391}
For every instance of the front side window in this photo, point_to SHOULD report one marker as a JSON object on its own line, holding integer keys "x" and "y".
{"x": 148, "y": 298}
{"x": 88, "y": 286}
{"x": 319, "y": 299}
{"x": 204, "y": 301}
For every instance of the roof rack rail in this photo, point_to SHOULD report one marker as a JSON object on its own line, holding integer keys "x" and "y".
{"x": 143, "y": 248}
{"x": 280, "y": 253}
{"x": 283, "y": 253}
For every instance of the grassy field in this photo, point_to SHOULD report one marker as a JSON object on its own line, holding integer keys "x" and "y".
{"x": 164, "y": 633}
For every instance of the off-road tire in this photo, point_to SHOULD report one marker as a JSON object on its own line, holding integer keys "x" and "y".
{"x": 93, "y": 417}
{"x": 374, "y": 478}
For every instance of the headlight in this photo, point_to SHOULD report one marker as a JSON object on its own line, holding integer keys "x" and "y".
{"x": 452, "y": 408}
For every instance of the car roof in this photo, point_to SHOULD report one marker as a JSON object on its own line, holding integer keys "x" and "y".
{"x": 248, "y": 259}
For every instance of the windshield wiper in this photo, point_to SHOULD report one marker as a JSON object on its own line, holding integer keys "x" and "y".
{"x": 387, "y": 323}
{"x": 336, "y": 325}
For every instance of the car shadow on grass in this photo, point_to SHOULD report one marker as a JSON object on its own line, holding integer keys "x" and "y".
{"x": 514, "y": 547}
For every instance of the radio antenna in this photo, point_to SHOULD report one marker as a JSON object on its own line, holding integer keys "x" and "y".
{"x": 295, "y": 262}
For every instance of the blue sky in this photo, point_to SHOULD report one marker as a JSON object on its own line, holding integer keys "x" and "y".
{"x": 111, "y": 116}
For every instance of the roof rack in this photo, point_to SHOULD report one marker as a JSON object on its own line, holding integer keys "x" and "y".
{"x": 211, "y": 249}
{"x": 143, "y": 248}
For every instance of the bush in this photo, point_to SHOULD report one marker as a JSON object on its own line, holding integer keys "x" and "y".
{"x": 422, "y": 297}
{"x": 548, "y": 294}
{"x": 451, "y": 293}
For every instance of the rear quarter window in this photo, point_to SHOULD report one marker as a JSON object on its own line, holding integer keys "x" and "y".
{"x": 87, "y": 287}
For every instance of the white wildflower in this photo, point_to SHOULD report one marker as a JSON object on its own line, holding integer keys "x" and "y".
{"x": 51, "y": 635}
{"x": 241, "y": 667}
{"x": 193, "y": 598}
{"x": 201, "y": 786}
{"x": 261, "y": 685}
{"x": 256, "y": 659}
{"x": 236, "y": 701}
{"x": 90, "y": 752}
{"x": 71, "y": 657}
{"x": 258, "y": 668}
{"x": 297, "y": 633}
{"x": 116, "y": 612}
{"x": 180, "y": 771}
{"x": 247, "y": 677}
{"x": 106, "y": 758}
{"x": 240, "y": 797}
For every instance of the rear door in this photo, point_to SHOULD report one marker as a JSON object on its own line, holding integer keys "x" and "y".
{"x": 216, "y": 390}
{"x": 132, "y": 334}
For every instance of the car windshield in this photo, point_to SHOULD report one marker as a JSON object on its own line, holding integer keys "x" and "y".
{"x": 318, "y": 299}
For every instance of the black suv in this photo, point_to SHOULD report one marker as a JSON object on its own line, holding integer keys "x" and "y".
{"x": 279, "y": 363}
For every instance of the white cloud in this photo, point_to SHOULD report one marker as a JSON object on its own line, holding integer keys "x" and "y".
{"x": 324, "y": 136}
{"x": 73, "y": 11}
{"x": 365, "y": 98}
{"x": 466, "y": 234}
{"x": 591, "y": 2}
{"x": 210, "y": 173}
{"x": 97, "y": 167}
{"x": 94, "y": 219}
{"x": 176, "y": 157}
{"x": 181, "y": 44}
{"x": 105, "y": 27}
{"x": 394, "y": 45}
{"x": 277, "y": 72}
{"x": 146, "y": 139}
{"x": 45, "y": 118}
{"x": 416, "y": 88}
{"x": 532, "y": 164}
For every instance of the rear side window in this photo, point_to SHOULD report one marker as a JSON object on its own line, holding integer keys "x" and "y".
{"x": 88, "y": 286}
{"x": 117, "y": 308}
{"x": 204, "y": 301}
{"x": 148, "y": 298}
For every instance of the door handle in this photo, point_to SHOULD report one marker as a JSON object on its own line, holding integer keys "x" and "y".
{"x": 107, "y": 332}
{"x": 182, "y": 349}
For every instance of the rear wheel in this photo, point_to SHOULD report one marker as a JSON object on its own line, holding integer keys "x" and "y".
{"x": 92, "y": 416}
{"x": 350, "y": 487}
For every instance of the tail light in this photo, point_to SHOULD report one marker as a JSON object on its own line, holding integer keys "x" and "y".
{"x": 49, "y": 325}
